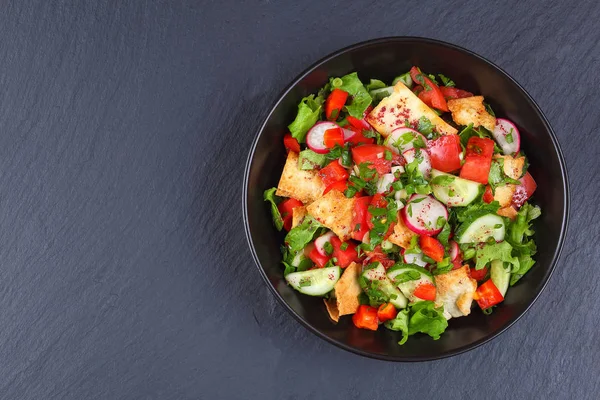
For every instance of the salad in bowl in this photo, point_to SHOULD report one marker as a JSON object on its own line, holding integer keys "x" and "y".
{"x": 405, "y": 203}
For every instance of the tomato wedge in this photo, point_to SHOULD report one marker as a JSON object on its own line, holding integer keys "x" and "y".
{"x": 431, "y": 247}
{"x": 425, "y": 291}
{"x": 478, "y": 160}
{"x": 316, "y": 257}
{"x": 334, "y": 103}
{"x": 431, "y": 94}
{"x": 374, "y": 154}
{"x": 366, "y": 317}
{"x": 340, "y": 186}
{"x": 344, "y": 252}
{"x": 454, "y": 93}
{"x": 359, "y": 137}
{"x": 333, "y": 172}
{"x": 285, "y": 207}
{"x": 488, "y": 295}
{"x": 358, "y": 123}
{"x": 488, "y": 196}
{"x": 386, "y": 312}
{"x": 480, "y": 274}
{"x": 444, "y": 153}
{"x": 332, "y": 137}
{"x": 359, "y": 218}
{"x": 291, "y": 143}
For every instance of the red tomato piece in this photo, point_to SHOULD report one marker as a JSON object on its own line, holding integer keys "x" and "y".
{"x": 332, "y": 137}
{"x": 524, "y": 190}
{"x": 334, "y": 103}
{"x": 445, "y": 153}
{"x": 291, "y": 143}
{"x": 386, "y": 312}
{"x": 333, "y": 172}
{"x": 417, "y": 89}
{"x": 366, "y": 317}
{"x": 425, "y": 291}
{"x": 378, "y": 201}
{"x": 454, "y": 93}
{"x": 340, "y": 186}
{"x": 478, "y": 160}
{"x": 285, "y": 207}
{"x": 316, "y": 257}
{"x": 377, "y": 255}
{"x": 435, "y": 99}
{"x": 373, "y": 154}
{"x": 359, "y": 218}
{"x": 344, "y": 257}
{"x": 431, "y": 247}
{"x": 287, "y": 223}
{"x": 488, "y": 196}
{"x": 480, "y": 274}
{"x": 359, "y": 123}
{"x": 488, "y": 295}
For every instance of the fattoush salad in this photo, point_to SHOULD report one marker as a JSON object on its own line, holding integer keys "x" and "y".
{"x": 403, "y": 204}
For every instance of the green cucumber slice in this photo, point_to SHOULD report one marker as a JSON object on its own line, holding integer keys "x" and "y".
{"x": 483, "y": 228}
{"x": 457, "y": 192}
{"x": 385, "y": 285}
{"x": 314, "y": 282}
{"x": 407, "y": 277}
{"x": 500, "y": 276}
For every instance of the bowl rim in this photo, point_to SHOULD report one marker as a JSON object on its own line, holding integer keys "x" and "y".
{"x": 423, "y": 40}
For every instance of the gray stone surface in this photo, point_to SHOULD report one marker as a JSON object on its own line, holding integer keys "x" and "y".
{"x": 124, "y": 270}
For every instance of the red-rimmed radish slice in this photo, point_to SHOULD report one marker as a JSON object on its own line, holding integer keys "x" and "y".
{"x": 403, "y": 139}
{"x": 316, "y": 134}
{"x": 348, "y": 134}
{"x": 385, "y": 182}
{"x": 414, "y": 258}
{"x": 320, "y": 242}
{"x": 424, "y": 160}
{"x": 424, "y": 215}
{"x": 507, "y": 136}
{"x": 454, "y": 250}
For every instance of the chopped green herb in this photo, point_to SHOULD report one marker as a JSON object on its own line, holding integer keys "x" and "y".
{"x": 328, "y": 248}
{"x": 344, "y": 246}
{"x": 269, "y": 195}
{"x": 446, "y": 81}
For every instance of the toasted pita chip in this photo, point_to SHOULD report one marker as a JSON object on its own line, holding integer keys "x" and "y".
{"x": 504, "y": 194}
{"x": 455, "y": 290}
{"x": 402, "y": 105}
{"x": 334, "y": 210}
{"x": 471, "y": 110}
{"x": 346, "y": 290}
{"x": 402, "y": 234}
{"x": 298, "y": 214}
{"x": 305, "y": 186}
{"x": 509, "y": 212}
{"x": 513, "y": 167}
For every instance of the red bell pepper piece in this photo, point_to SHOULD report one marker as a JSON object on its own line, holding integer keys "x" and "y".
{"x": 359, "y": 123}
{"x": 344, "y": 257}
{"x": 431, "y": 94}
{"x": 332, "y": 137}
{"x": 333, "y": 172}
{"x": 334, "y": 103}
{"x": 431, "y": 247}
{"x": 488, "y": 295}
{"x": 425, "y": 291}
{"x": 291, "y": 143}
{"x": 478, "y": 160}
{"x": 445, "y": 153}
{"x": 366, "y": 317}
{"x": 386, "y": 312}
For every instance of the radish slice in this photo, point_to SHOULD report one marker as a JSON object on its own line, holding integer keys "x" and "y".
{"x": 454, "y": 250}
{"x": 348, "y": 134}
{"x": 385, "y": 182}
{"x": 424, "y": 163}
{"x": 398, "y": 168}
{"x": 316, "y": 135}
{"x": 403, "y": 139}
{"x": 507, "y": 136}
{"x": 320, "y": 242}
{"x": 424, "y": 215}
{"x": 414, "y": 258}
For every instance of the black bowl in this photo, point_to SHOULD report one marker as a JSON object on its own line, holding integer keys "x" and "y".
{"x": 384, "y": 59}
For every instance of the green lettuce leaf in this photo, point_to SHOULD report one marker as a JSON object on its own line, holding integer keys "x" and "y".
{"x": 308, "y": 159}
{"x": 360, "y": 96}
{"x": 495, "y": 251}
{"x": 269, "y": 195}
{"x": 375, "y": 84}
{"x": 466, "y": 215}
{"x": 519, "y": 236}
{"x": 309, "y": 111}
{"x": 426, "y": 318}
{"x": 400, "y": 323}
{"x": 299, "y": 236}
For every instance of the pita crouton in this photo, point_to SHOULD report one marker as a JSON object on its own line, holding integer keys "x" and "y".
{"x": 455, "y": 290}
{"x": 305, "y": 186}
{"x": 402, "y": 234}
{"x": 470, "y": 110}
{"x": 346, "y": 291}
{"x": 298, "y": 214}
{"x": 509, "y": 212}
{"x": 334, "y": 210}
{"x": 402, "y": 105}
{"x": 504, "y": 194}
{"x": 513, "y": 167}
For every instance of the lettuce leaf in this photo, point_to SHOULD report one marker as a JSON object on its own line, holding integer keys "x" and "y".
{"x": 375, "y": 84}
{"x": 360, "y": 96}
{"x": 519, "y": 236}
{"x": 422, "y": 317}
{"x": 269, "y": 195}
{"x": 308, "y": 159}
{"x": 309, "y": 111}
{"x": 496, "y": 251}
{"x": 299, "y": 236}
{"x": 400, "y": 323}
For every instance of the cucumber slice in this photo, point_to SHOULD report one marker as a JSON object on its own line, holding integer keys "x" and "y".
{"x": 379, "y": 94}
{"x": 458, "y": 192}
{"x": 404, "y": 78}
{"x": 386, "y": 286}
{"x": 483, "y": 228}
{"x": 500, "y": 276}
{"x": 408, "y": 277}
{"x": 314, "y": 282}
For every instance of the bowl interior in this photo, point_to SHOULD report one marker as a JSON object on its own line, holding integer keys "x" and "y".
{"x": 384, "y": 59}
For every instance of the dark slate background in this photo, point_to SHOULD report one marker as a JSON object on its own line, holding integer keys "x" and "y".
{"x": 124, "y": 269}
